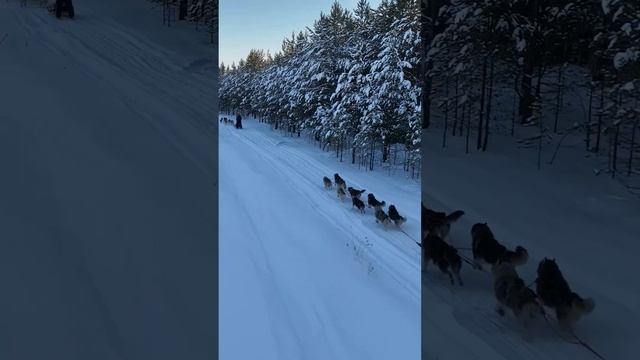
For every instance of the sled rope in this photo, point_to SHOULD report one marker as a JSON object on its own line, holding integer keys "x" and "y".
{"x": 531, "y": 283}
{"x": 407, "y": 235}
{"x": 468, "y": 261}
{"x": 464, "y": 248}
{"x": 575, "y": 341}
{"x": 586, "y": 346}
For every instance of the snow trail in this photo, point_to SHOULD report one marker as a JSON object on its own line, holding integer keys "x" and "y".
{"x": 107, "y": 193}
{"x": 323, "y": 279}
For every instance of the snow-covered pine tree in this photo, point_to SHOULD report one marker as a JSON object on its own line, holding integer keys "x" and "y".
{"x": 322, "y": 82}
{"x": 393, "y": 114}
{"x": 623, "y": 48}
{"x": 349, "y": 98}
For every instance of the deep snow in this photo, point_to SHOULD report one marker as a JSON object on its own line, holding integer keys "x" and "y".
{"x": 107, "y": 186}
{"x": 303, "y": 275}
{"x": 590, "y": 224}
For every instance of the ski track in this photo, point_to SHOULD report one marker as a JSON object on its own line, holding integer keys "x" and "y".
{"x": 108, "y": 189}
{"x": 134, "y": 62}
{"x": 388, "y": 254}
{"x": 282, "y": 175}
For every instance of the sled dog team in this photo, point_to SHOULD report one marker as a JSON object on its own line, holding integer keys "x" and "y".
{"x": 381, "y": 216}
{"x": 510, "y": 290}
{"x": 226, "y": 121}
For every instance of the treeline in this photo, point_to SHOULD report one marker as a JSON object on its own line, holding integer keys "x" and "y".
{"x": 350, "y": 81}
{"x": 498, "y": 65}
{"x": 203, "y": 13}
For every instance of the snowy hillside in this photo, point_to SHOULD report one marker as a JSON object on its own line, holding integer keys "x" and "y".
{"x": 107, "y": 187}
{"x": 589, "y": 224}
{"x": 302, "y": 274}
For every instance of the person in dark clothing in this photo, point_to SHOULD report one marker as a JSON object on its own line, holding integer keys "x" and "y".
{"x": 64, "y": 6}
{"x": 238, "y": 122}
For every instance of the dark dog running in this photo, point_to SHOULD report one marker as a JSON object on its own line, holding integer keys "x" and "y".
{"x": 487, "y": 250}
{"x": 438, "y": 223}
{"x": 359, "y": 204}
{"x": 554, "y": 292}
{"x": 355, "y": 192}
{"x": 511, "y": 292}
{"x": 445, "y": 256}
{"x": 339, "y": 181}
{"x": 374, "y": 203}
{"x": 327, "y": 182}
{"x": 382, "y": 217}
{"x": 395, "y": 216}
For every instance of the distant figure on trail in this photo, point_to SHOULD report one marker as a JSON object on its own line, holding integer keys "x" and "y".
{"x": 238, "y": 122}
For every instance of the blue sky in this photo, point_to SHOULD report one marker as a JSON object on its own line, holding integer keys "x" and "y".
{"x": 262, "y": 24}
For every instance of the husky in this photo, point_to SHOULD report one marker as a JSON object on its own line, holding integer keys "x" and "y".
{"x": 327, "y": 183}
{"x": 382, "y": 217}
{"x": 437, "y": 222}
{"x": 511, "y": 292}
{"x": 487, "y": 250}
{"x": 341, "y": 193}
{"x": 395, "y": 216}
{"x": 443, "y": 255}
{"x": 374, "y": 203}
{"x": 355, "y": 192}
{"x": 359, "y": 204}
{"x": 339, "y": 181}
{"x": 554, "y": 292}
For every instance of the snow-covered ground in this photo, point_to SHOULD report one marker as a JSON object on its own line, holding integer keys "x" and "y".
{"x": 302, "y": 274}
{"x": 589, "y": 224}
{"x": 107, "y": 185}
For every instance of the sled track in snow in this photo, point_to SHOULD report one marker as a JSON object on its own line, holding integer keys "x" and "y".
{"x": 397, "y": 249}
{"x": 134, "y": 60}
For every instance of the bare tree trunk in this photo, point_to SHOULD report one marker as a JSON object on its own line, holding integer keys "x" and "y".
{"x": 600, "y": 115}
{"x": 468, "y": 126}
{"x": 513, "y": 112}
{"x": 558, "y": 100}
{"x": 526, "y": 96}
{"x": 615, "y": 151}
{"x": 429, "y": 11}
{"x": 353, "y": 153}
{"x": 588, "y": 122}
{"x": 446, "y": 112}
{"x": 455, "y": 109}
{"x": 486, "y": 124}
{"x": 182, "y": 14}
{"x": 541, "y": 137}
{"x": 631, "y": 148}
{"x": 482, "y": 94}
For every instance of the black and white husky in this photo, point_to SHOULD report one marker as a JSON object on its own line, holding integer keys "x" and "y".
{"x": 374, "y": 203}
{"x": 487, "y": 250}
{"x": 327, "y": 183}
{"x": 340, "y": 183}
{"x": 511, "y": 292}
{"x": 341, "y": 194}
{"x": 445, "y": 256}
{"x": 395, "y": 216}
{"x": 382, "y": 217}
{"x": 359, "y": 204}
{"x": 554, "y": 292}
{"x": 355, "y": 192}
{"x": 438, "y": 223}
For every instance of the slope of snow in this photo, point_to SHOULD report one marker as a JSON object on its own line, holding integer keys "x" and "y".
{"x": 107, "y": 187}
{"x": 589, "y": 224}
{"x": 302, "y": 275}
